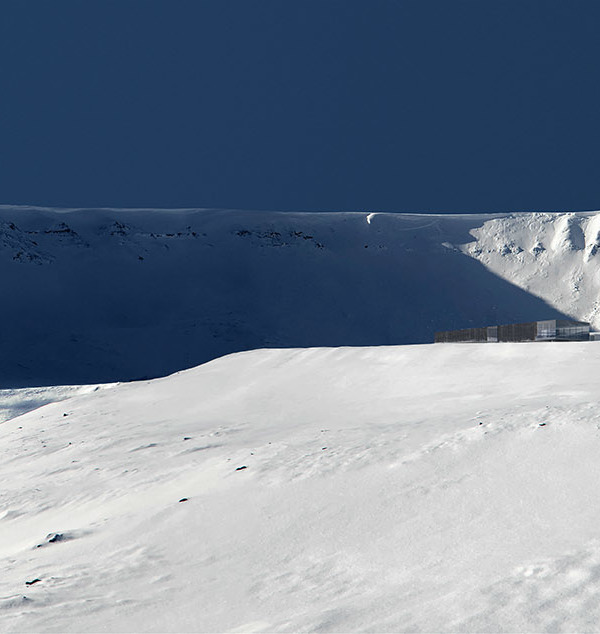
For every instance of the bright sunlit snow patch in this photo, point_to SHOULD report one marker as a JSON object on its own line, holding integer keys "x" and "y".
{"x": 553, "y": 256}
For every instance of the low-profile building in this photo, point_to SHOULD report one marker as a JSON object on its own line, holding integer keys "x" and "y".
{"x": 546, "y": 330}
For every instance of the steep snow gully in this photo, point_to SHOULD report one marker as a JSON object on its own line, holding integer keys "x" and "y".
{"x": 99, "y": 295}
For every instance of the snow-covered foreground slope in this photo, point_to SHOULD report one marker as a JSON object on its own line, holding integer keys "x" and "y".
{"x": 103, "y": 295}
{"x": 416, "y": 488}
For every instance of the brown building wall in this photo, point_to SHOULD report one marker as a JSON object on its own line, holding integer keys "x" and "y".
{"x": 518, "y": 332}
{"x": 466, "y": 335}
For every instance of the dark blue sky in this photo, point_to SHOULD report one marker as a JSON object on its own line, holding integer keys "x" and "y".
{"x": 462, "y": 105}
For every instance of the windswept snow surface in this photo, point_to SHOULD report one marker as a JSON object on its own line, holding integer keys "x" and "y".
{"x": 417, "y": 488}
{"x": 103, "y": 295}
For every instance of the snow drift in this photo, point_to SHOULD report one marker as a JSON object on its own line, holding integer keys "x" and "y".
{"x": 100, "y": 295}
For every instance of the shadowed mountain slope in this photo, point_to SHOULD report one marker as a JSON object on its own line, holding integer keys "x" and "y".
{"x": 98, "y": 295}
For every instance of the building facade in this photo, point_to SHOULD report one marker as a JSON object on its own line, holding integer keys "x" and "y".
{"x": 546, "y": 330}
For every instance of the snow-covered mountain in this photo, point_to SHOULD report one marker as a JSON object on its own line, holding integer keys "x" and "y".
{"x": 412, "y": 488}
{"x": 404, "y": 488}
{"x": 96, "y": 295}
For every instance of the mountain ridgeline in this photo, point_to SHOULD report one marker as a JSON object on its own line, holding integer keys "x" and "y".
{"x": 98, "y": 295}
